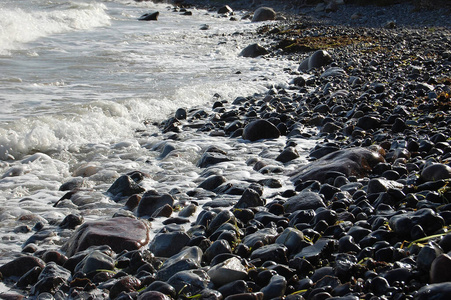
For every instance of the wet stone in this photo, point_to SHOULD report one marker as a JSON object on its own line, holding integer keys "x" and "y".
{"x": 20, "y": 266}
{"x": 192, "y": 281}
{"x": 230, "y": 270}
{"x": 150, "y": 203}
{"x": 125, "y": 186}
{"x": 169, "y": 243}
{"x": 96, "y": 260}
{"x": 303, "y": 201}
{"x": 260, "y": 129}
{"x": 50, "y": 279}
{"x": 118, "y": 233}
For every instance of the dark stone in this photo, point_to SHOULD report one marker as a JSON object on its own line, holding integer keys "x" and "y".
{"x": 95, "y": 260}
{"x": 150, "y": 203}
{"x": 436, "y": 172}
{"x": 119, "y": 233}
{"x": 264, "y": 14}
{"x": 51, "y": 279}
{"x": 317, "y": 59}
{"x": 218, "y": 247}
{"x": 322, "y": 248}
{"x": 153, "y": 295}
{"x": 234, "y": 288}
{"x": 161, "y": 287}
{"x": 429, "y": 220}
{"x": 225, "y": 10}
{"x": 124, "y": 186}
{"x": 351, "y": 162}
{"x": 168, "y": 244}
{"x": 288, "y": 154}
{"x": 125, "y": 284}
{"x": 250, "y": 198}
{"x": 440, "y": 269}
{"x": 212, "y": 182}
{"x": 303, "y": 201}
{"x": 191, "y": 281}
{"x": 152, "y": 16}
{"x": 260, "y": 129}
{"x": 180, "y": 114}
{"x": 275, "y": 288}
{"x": 21, "y": 265}
{"x": 437, "y": 291}
{"x": 274, "y": 252}
{"x": 211, "y": 158}
{"x": 71, "y": 221}
{"x": 253, "y": 50}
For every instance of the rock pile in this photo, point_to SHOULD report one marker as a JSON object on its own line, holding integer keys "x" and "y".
{"x": 366, "y": 218}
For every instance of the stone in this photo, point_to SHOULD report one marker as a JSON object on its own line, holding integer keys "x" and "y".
{"x": 264, "y": 236}
{"x": 230, "y": 270}
{"x": 253, "y": 50}
{"x": 288, "y": 154}
{"x": 124, "y": 186}
{"x": 150, "y": 203}
{"x": 169, "y": 243}
{"x": 153, "y": 295}
{"x": 318, "y": 59}
{"x": 275, "y": 288}
{"x": 162, "y": 287}
{"x": 264, "y": 14}
{"x": 429, "y": 220}
{"x": 225, "y": 10}
{"x": 437, "y": 291}
{"x": 20, "y": 266}
{"x": 152, "y": 16}
{"x": 119, "y": 233}
{"x": 321, "y": 248}
{"x": 356, "y": 161}
{"x": 125, "y": 284}
{"x": 190, "y": 282}
{"x": 260, "y": 129}
{"x": 304, "y": 201}
{"x": 435, "y": 172}
{"x": 333, "y": 72}
{"x": 211, "y": 158}
{"x": 440, "y": 269}
{"x": 96, "y": 260}
{"x": 212, "y": 182}
{"x": 71, "y": 221}
{"x": 250, "y": 198}
{"x": 274, "y": 252}
{"x": 51, "y": 278}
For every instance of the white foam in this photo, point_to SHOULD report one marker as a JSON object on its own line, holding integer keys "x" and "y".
{"x": 19, "y": 26}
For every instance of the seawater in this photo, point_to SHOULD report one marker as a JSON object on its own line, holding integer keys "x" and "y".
{"x": 81, "y": 80}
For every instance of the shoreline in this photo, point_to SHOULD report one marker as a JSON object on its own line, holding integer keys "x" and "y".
{"x": 366, "y": 216}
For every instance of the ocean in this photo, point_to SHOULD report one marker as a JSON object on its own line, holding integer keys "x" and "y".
{"x": 81, "y": 84}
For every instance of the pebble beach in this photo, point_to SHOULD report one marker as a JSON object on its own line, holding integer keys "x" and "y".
{"x": 334, "y": 185}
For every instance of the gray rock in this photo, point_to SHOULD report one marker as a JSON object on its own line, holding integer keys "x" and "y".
{"x": 212, "y": 182}
{"x": 288, "y": 154}
{"x": 265, "y": 236}
{"x": 379, "y": 185}
{"x": 333, "y": 72}
{"x": 211, "y": 158}
{"x": 264, "y": 14}
{"x": 230, "y": 270}
{"x": 225, "y": 10}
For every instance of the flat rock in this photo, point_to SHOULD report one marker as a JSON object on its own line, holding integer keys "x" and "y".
{"x": 355, "y": 161}
{"x": 119, "y": 233}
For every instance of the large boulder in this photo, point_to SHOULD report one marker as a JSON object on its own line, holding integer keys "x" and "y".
{"x": 264, "y": 14}
{"x": 318, "y": 59}
{"x": 119, "y": 233}
{"x": 260, "y": 129}
{"x": 355, "y": 161}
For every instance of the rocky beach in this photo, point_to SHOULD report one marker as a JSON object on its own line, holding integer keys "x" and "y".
{"x": 334, "y": 185}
